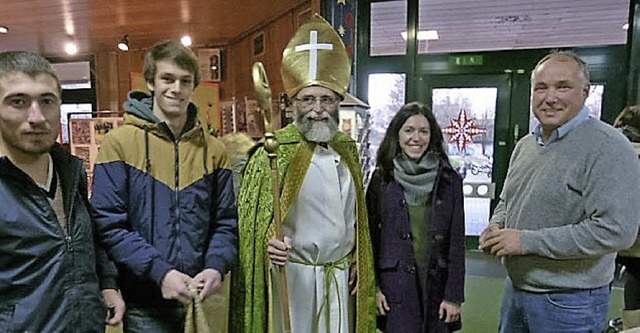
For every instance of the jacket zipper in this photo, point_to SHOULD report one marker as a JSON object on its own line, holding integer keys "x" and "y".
{"x": 176, "y": 198}
{"x": 70, "y": 217}
{"x": 71, "y": 214}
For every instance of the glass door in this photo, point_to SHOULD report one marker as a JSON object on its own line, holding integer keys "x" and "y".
{"x": 473, "y": 113}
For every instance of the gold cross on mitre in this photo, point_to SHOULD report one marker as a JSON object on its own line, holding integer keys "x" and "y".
{"x": 316, "y": 56}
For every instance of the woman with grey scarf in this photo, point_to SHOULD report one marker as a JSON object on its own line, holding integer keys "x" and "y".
{"x": 416, "y": 215}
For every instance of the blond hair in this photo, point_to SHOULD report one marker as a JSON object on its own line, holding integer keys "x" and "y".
{"x": 238, "y": 144}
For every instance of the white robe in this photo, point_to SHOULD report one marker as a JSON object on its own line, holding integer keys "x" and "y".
{"x": 321, "y": 225}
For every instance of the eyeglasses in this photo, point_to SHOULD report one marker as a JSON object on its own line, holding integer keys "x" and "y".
{"x": 309, "y": 101}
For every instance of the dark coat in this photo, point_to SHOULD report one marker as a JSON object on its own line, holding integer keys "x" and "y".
{"x": 413, "y": 295}
{"x": 49, "y": 279}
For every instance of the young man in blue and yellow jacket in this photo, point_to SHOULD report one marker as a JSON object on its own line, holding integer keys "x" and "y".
{"x": 164, "y": 198}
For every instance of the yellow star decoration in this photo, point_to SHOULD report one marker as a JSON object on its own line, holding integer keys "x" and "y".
{"x": 342, "y": 30}
{"x": 344, "y": 2}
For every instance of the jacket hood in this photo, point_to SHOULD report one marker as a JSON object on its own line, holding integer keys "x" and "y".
{"x": 140, "y": 104}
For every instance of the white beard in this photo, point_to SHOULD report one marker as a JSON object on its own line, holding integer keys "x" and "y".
{"x": 316, "y": 131}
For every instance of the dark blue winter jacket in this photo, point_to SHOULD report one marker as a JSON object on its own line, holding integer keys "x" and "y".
{"x": 49, "y": 279}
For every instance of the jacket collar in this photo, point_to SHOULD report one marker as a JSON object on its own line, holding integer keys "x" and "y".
{"x": 68, "y": 169}
{"x": 161, "y": 130}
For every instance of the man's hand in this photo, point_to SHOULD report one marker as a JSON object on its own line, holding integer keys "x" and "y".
{"x": 503, "y": 242}
{"x": 353, "y": 278}
{"x": 279, "y": 250}
{"x": 113, "y": 300}
{"x": 381, "y": 304}
{"x": 487, "y": 233}
{"x": 449, "y": 312}
{"x": 207, "y": 282}
{"x": 175, "y": 286}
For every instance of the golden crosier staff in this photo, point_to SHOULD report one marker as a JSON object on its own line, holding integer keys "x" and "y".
{"x": 261, "y": 85}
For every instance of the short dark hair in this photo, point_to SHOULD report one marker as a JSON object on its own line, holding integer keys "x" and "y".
{"x": 390, "y": 146}
{"x": 173, "y": 51}
{"x": 28, "y": 63}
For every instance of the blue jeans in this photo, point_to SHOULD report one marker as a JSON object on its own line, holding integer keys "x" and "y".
{"x": 575, "y": 311}
{"x": 156, "y": 320}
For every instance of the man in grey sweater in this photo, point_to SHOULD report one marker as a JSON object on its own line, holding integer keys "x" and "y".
{"x": 567, "y": 206}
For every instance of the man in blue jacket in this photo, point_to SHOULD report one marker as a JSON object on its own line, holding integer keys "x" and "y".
{"x": 163, "y": 192}
{"x": 51, "y": 269}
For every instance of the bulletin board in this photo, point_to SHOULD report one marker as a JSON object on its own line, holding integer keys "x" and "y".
{"x": 85, "y": 138}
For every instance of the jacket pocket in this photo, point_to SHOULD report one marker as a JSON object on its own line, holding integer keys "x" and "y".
{"x": 388, "y": 263}
{"x": 6, "y": 314}
{"x": 391, "y": 279}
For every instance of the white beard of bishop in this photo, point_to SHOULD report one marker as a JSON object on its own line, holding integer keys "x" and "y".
{"x": 316, "y": 131}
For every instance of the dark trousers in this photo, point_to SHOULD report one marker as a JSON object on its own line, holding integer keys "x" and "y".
{"x": 156, "y": 320}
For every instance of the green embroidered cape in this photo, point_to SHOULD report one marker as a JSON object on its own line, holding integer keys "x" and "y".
{"x": 250, "y": 306}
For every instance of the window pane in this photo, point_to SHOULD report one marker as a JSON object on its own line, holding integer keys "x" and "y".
{"x": 386, "y": 97}
{"x": 467, "y": 117}
{"x": 388, "y": 22}
{"x": 73, "y": 75}
{"x": 521, "y": 24}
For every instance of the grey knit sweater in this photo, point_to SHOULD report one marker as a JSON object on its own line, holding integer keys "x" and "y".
{"x": 576, "y": 200}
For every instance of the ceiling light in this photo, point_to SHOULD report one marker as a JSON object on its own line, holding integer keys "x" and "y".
{"x": 3, "y": 29}
{"x": 625, "y": 26}
{"x": 423, "y": 35}
{"x": 186, "y": 40}
{"x": 71, "y": 48}
{"x": 123, "y": 45}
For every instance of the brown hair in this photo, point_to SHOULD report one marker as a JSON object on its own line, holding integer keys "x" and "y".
{"x": 173, "y": 51}
{"x": 629, "y": 122}
{"x": 390, "y": 145}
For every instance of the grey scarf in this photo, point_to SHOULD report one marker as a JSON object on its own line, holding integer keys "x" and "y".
{"x": 416, "y": 177}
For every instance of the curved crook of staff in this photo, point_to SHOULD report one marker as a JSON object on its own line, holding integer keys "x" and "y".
{"x": 261, "y": 85}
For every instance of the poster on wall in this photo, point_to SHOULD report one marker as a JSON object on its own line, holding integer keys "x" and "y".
{"x": 85, "y": 138}
{"x": 207, "y": 98}
{"x": 244, "y": 115}
{"x": 209, "y": 61}
{"x": 342, "y": 16}
{"x": 348, "y": 124}
{"x": 228, "y": 116}
{"x": 68, "y": 111}
{"x": 255, "y": 119}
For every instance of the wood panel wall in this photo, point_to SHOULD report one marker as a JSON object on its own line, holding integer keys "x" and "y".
{"x": 113, "y": 68}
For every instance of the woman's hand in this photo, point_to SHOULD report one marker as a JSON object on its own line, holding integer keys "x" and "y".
{"x": 381, "y": 303}
{"x": 449, "y": 312}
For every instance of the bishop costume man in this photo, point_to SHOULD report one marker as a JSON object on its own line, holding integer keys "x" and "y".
{"x": 327, "y": 250}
